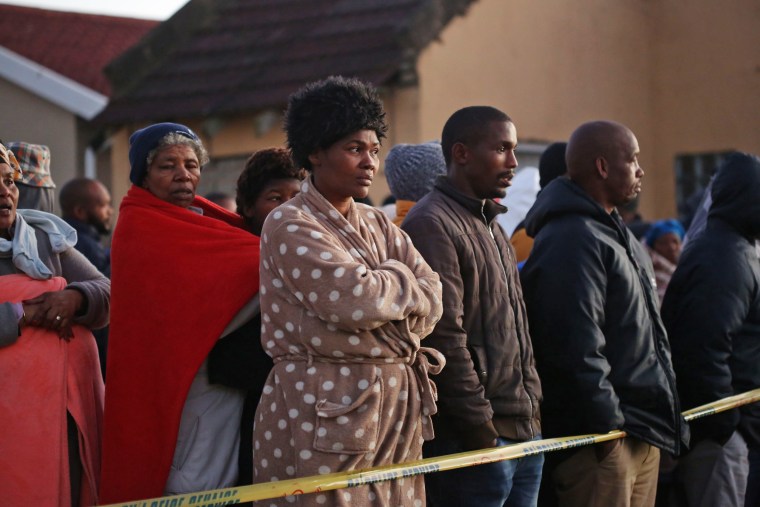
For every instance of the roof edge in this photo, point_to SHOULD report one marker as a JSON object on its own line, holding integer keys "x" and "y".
{"x": 130, "y": 68}
{"x": 50, "y": 85}
{"x": 424, "y": 27}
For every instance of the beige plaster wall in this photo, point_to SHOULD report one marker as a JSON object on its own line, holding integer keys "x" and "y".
{"x": 26, "y": 117}
{"x": 706, "y": 81}
{"x": 550, "y": 65}
{"x": 119, "y": 153}
{"x": 683, "y": 74}
{"x": 238, "y": 136}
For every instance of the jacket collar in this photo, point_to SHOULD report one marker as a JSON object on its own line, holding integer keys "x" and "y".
{"x": 488, "y": 207}
{"x": 83, "y": 229}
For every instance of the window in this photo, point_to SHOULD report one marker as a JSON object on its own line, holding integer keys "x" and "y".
{"x": 693, "y": 173}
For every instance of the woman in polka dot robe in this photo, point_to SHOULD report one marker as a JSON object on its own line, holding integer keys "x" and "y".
{"x": 345, "y": 301}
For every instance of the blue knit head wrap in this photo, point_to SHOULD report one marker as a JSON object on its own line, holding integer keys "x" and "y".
{"x": 143, "y": 141}
{"x": 661, "y": 227}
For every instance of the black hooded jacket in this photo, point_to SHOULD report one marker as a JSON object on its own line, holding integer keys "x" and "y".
{"x": 712, "y": 306}
{"x": 600, "y": 346}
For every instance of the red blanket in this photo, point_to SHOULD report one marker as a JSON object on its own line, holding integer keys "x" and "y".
{"x": 177, "y": 279}
{"x": 43, "y": 377}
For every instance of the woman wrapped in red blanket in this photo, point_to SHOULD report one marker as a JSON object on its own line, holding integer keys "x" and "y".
{"x": 185, "y": 274}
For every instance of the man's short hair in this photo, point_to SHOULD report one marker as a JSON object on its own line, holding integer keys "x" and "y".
{"x": 75, "y": 192}
{"x": 467, "y": 126}
{"x": 552, "y": 163}
{"x": 323, "y": 112}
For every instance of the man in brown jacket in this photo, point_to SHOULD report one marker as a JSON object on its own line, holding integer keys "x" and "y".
{"x": 489, "y": 391}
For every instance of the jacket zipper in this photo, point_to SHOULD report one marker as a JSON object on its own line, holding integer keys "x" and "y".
{"x": 506, "y": 282}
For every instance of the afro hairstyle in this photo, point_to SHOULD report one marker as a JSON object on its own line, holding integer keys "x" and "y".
{"x": 323, "y": 112}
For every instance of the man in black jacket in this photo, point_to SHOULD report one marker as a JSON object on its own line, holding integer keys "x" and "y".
{"x": 712, "y": 312}
{"x": 601, "y": 348}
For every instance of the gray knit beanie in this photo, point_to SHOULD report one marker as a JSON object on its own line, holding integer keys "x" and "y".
{"x": 411, "y": 169}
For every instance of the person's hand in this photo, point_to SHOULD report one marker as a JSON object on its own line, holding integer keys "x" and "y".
{"x": 480, "y": 437}
{"x": 473, "y": 443}
{"x": 604, "y": 449}
{"x": 53, "y": 310}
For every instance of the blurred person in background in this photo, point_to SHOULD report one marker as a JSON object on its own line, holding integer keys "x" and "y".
{"x": 520, "y": 197}
{"x": 411, "y": 171}
{"x": 663, "y": 242}
{"x": 222, "y": 199}
{"x": 269, "y": 179}
{"x": 36, "y": 188}
{"x": 712, "y": 313}
{"x": 551, "y": 165}
{"x": 86, "y": 206}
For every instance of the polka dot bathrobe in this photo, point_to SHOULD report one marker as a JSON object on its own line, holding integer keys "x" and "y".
{"x": 345, "y": 302}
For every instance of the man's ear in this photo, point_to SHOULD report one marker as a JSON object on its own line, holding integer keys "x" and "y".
{"x": 602, "y": 167}
{"x": 460, "y": 153}
{"x": 80, "y": 213}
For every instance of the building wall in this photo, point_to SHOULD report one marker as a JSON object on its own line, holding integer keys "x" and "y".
{"x": 550, "y": 65}
{"x": 706, "y": 79}
{"x": 26, "y": 117}
{"x": 684, "y": 75}
{"x": 118, "y": 147}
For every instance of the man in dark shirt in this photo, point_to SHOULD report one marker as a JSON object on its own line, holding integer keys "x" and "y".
{"x": 86, "y": 206}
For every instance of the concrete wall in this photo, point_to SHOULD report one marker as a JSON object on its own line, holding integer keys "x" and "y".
{"x": 26, "y": 117}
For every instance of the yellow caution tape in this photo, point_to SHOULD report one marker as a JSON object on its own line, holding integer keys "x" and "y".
{"x": 328, "y": 482}
{"x": 722, "y": 405}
